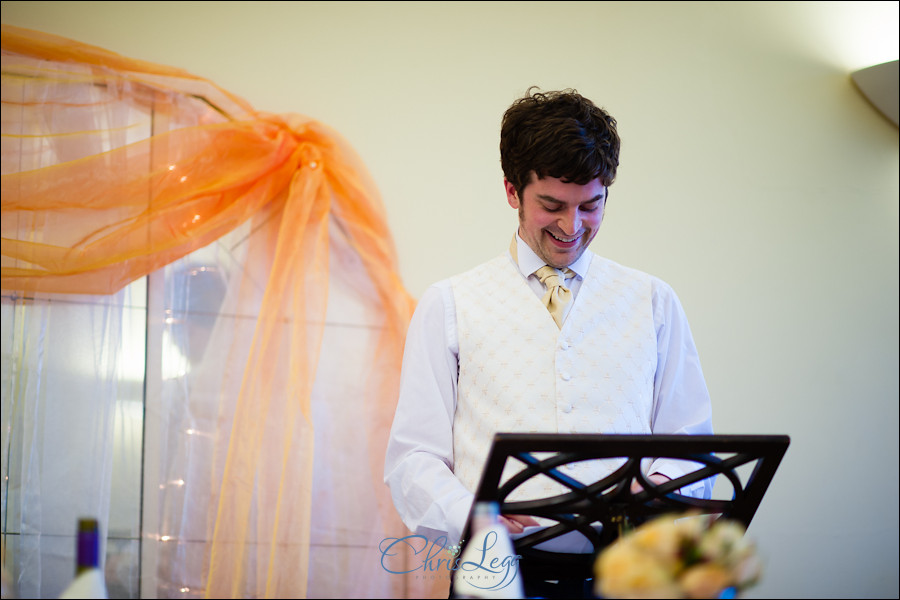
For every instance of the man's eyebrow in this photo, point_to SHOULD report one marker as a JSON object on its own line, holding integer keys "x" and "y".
{"x": 547, "y": 198}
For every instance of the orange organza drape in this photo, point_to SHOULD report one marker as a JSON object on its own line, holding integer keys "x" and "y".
{"x": 117, "y": 205}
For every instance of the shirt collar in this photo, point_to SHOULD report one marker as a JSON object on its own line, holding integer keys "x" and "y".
{"x": 529, "y": 262}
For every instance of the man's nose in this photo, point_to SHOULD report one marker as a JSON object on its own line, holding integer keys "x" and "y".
{"x": 570, "y": 222}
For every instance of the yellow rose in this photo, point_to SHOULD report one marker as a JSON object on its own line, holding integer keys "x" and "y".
{"x": 662, "y": 538}
{"x": 725, "y": 543}
{"x": 705, "y": 581}
{"x": 748, "y": 571}
{"x": 675, "y": 556}
{"x": 626, "y": 571}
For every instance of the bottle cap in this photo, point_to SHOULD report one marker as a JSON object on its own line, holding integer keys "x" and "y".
{"x": 489, "y": 510}
{"x": 88, "y": 544}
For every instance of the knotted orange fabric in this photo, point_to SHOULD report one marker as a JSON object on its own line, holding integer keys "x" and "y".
{"x": 113, "y": 168}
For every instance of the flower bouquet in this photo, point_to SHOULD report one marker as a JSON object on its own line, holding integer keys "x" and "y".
{"x": 678, "y": 557}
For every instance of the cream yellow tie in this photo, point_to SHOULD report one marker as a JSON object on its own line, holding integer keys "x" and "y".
{"x": 558, "y": 296}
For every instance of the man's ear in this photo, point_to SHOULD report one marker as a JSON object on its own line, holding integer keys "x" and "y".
{"x": 511, "y": 195}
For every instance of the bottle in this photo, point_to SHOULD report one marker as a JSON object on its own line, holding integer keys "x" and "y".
{"x": 488, "y": 566}
{"x": 89, "y": 581}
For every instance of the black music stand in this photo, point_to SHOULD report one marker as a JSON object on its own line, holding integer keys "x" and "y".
{"x": 598, "y": 509}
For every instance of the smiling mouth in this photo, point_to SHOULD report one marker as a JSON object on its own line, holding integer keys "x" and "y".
{"x": 564, "y": 240}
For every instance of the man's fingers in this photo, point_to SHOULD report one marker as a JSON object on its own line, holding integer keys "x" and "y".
{"x": 527, "y": 521}
{"x": 520, "y": 521}
{"x": 512, "y": 525}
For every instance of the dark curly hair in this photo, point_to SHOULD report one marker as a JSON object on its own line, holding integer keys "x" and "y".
{"x": 558, "y": 134}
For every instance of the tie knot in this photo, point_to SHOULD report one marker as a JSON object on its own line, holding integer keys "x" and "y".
{"x": 551, "y": 277}
{"x": 557, "y": 296}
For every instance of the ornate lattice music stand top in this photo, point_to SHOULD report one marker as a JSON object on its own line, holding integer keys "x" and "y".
{"x": 598, "y": 509}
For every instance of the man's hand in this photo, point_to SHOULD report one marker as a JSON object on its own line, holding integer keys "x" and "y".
{"x": 517, "y": 523}
{"x": 657, "y": 478}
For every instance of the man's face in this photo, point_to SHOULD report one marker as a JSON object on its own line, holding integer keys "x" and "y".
{"x": 558, "y": 220}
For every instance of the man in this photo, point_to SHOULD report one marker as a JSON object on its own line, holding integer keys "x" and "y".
{"x": 594, "y": 347}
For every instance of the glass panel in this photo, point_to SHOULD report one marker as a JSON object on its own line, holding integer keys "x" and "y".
{"x": 72, "y": 387}
{"x": 192, "y": 332}
{"x": 122, "y": 568}
{"x": 56, "y": 555}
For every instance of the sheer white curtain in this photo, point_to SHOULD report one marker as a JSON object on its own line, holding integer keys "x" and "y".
{"x": 94, "y": 424}
{"x": 122, "y": 407}
{"x": 72, "y": 369}
{"x": 72, "y": 402}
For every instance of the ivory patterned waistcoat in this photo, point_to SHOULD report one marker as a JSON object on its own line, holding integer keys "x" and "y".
{"x": 518, "y": 372}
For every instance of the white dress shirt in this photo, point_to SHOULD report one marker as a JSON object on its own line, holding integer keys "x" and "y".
{"x": 430, "y": 499}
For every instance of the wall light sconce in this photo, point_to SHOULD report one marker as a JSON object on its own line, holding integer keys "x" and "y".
{"x": 879, "y": 84}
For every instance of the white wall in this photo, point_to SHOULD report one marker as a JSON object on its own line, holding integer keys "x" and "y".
{"x": 755, "y": 179}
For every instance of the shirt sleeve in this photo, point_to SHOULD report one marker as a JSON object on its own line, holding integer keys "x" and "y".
{"x": 681, "y": 403}
{"x": 429, "y": 498}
